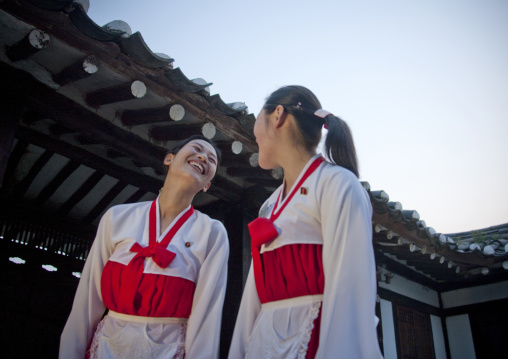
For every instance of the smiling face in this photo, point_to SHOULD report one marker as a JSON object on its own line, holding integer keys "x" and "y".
{"x": 196, "y": 162}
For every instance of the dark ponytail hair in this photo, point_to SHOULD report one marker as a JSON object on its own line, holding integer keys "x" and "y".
{"x": 302, "y": 104}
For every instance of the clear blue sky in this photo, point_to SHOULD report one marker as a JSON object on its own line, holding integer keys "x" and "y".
{"x": 422, "y": 84}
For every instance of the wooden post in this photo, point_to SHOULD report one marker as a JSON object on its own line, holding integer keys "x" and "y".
{"x": 35, "y": 41}
{"x": 123, "y": 92}
{"x": 77, "y": 71}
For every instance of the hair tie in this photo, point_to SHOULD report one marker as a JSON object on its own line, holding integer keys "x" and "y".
{"x": 323, "y": 114}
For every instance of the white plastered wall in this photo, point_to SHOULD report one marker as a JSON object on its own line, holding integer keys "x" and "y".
{"x": 460, "y": 338}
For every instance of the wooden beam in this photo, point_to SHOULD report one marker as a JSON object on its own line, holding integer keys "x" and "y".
{"x": 145, "y": 116}
{"x": 136, "y": 196}
{"x": 77, "y": 71}
{"x": 80, "y": 193}
{"x": 123, "y": 92}
{"x": 35, "y": 41}
{"x": 105, "y": 202}
{"x": 71, "y": 115}
{"x": 175, "y": 132}
{"x": 25, "y": 183}
{"x": 243, "y": 160}
{"x": 402, "y": 270}
{"x": 91, "y": 160}
{"x": 14, "y": 158}
{"x": 56, "y": 182}
{"x": 163, "y": 114}
{"x": 224, "y": 189}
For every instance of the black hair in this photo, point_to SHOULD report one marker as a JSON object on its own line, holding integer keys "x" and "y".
{"x": 302, "y": 103}
{"x": 182, "y": 143}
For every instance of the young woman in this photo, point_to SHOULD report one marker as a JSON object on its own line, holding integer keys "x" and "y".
{"x": 159, "y": 268}
{"x": 311, "y": 290}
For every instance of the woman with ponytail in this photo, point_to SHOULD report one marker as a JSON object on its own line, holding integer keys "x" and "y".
{"x": 311, "y": 289}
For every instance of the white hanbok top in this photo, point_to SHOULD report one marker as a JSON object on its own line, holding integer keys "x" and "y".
{"x": 318, "y": 280}
{"x": 168, "y": 312}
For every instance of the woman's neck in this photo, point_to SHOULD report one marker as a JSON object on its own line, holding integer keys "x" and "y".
{"x": 172, "y": 201}
{"x": 293, "y": 166}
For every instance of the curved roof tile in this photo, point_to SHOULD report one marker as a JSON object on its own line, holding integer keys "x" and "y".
{"x": 87, "y": 26}
{"x": 135, "y": 47}
{"x": 179, "y": 79}
{"x": 225, "y": 108}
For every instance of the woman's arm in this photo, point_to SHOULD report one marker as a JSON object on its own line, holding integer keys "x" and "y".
{"x": 87, "y": 308}
{"x": 348, "y": 322}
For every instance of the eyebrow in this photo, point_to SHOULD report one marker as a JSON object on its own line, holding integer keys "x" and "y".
{"x": 210, "y": 153}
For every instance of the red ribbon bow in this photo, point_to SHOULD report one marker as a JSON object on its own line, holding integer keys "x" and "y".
{"x": 161, "y": 256}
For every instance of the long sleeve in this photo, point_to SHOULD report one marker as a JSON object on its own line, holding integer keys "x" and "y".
{"x": 87, "y": 308}
{"x": 203, "y": 330}
{"x": 348, "y": 322}
{"x": 250, "y": 307}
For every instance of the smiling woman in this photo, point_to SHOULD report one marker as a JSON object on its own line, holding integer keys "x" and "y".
{"x": 144, "y": 267}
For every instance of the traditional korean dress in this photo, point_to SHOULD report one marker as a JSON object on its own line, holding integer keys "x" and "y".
{"x": 311, "y": 289}
{"x": 164, "y": 292}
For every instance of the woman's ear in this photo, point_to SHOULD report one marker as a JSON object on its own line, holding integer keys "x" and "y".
{"x": 168, "y": 159}
{"x": 280, "y": 116}
{"x": 207, "y": 186}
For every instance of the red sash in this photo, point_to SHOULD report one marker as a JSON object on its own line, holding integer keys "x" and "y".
{"x": 262, "y": 230}
{"x": 156, "y": 250}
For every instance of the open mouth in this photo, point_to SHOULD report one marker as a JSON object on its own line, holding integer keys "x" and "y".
{"x": 198, "y": 166}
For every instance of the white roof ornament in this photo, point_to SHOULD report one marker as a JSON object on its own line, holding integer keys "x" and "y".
{"x": 278, "y": 173}
{"x": 200, "y": 81}
{"x": 488, "y": 250}
{"x": 236, "y": 147}
{"x": 475, "y": 246}
{"x": 254, "y": 159}
{"x": 177, "y": 112}
{"x": 239, "y": 106}
{"x": 119, "y": 26}
{"x": 208, "y": 130}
